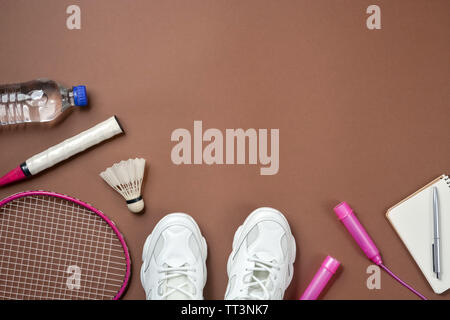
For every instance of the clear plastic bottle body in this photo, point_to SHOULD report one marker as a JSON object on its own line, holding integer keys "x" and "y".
{"x": 39, "y": 100}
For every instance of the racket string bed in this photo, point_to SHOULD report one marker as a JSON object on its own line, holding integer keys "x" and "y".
{"x": 43, "y": 236}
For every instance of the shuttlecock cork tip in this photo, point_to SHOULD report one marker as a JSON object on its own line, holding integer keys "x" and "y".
{"x": 136, "y": 207}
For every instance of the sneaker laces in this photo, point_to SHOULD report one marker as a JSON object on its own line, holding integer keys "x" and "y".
{"x": 183, "y": 279}
{"x": 257, "y": 284}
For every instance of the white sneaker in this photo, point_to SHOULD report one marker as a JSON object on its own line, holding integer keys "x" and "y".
{"x": 261, "y": 263}
{"x": 174, "y": 260}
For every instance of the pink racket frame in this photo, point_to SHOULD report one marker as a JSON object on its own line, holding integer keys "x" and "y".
{"x": 87, "y": 206}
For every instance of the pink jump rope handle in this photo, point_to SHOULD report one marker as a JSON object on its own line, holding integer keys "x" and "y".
{"x": 348, "y": 218}
{"x": 321, "y": 278}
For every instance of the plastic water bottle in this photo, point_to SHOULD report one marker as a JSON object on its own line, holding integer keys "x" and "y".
{"x": 40, "y": 100}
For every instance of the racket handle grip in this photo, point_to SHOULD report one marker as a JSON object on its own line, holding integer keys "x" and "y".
{"x": 72, "y": 146}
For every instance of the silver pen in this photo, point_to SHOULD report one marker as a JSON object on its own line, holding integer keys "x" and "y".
{"x": 436, "y": 237}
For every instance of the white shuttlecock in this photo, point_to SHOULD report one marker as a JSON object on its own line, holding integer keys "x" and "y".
{"x": 126, "y": 178}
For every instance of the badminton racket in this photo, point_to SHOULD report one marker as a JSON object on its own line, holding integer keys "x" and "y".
{"x": 56, "y": 247}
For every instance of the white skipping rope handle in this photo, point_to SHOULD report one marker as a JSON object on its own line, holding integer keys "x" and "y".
{"x": 66, "y": 149}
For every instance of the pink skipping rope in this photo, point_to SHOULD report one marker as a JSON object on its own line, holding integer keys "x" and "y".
{"x": 348, "y": 218}
{"x": 323, "y": 275}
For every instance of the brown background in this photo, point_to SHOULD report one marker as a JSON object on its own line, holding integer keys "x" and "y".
{"x": 363, "y": 116}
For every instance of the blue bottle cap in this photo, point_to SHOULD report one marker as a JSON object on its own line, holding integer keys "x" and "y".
{"x": 80, "y": 96}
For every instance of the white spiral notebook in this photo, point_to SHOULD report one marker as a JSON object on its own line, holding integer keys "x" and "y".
{"x": 412, "y": 219}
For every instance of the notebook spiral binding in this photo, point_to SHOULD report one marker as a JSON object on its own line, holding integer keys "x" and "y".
{"x": 447, "y": 180}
